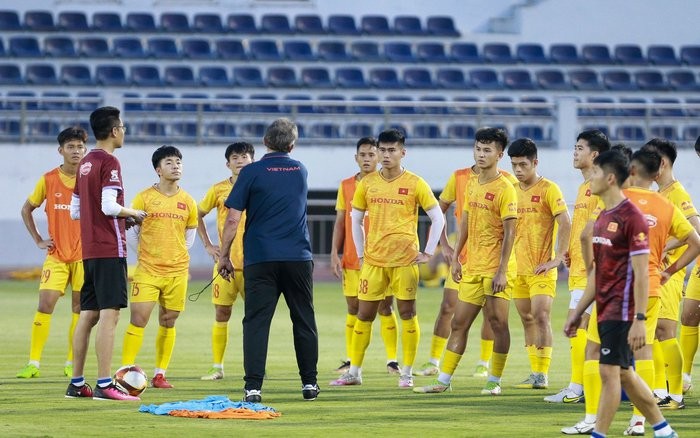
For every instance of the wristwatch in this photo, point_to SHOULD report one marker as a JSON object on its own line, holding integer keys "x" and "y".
{"x": 641, "y": 317}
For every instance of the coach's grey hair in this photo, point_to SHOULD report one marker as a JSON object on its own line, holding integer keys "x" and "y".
{"x": 281, "y": 135}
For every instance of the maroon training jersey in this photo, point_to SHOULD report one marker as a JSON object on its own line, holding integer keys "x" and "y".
{"x": 102, "y": 236}
{"x": 618, "y": 234}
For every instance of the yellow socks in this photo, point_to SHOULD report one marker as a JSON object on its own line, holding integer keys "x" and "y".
{"x": 361, "y": 337}
{"x": 449, "y": 362}
{"x": 40, "y": 333}
{"x": 498, "y": 364}
{"x": 410, "y": 337}
{"x": 486, "y": 350}
{"x": 219, "y": 340}
{"x": 532, "y": 357}
{"x": 689, "y": 346}
{"x": 349, "y": 327}
{"x": 578, "y": 356}
{"x": 387, "y": 327}
{"x": 71, "y": 330}
{"x": 437, "y": 347}
{"x": 592, "y": 385}
{"x": 544, "y": 358}
{"x": 133, "y": 339}
{"x": 645, "y": 370}
{"x": 165, "y": 343}
{"x": 674, "y": 365}
{"x": 659, "y": 368}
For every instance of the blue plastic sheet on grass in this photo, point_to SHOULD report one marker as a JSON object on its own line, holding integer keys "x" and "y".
{"x": 214, "y": 403}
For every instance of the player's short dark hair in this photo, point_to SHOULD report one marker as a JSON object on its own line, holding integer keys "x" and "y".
{"x": 492, "y": 135}
{"x": 240, "y": 148}
{"x": 164, "y": 151}
{"x": 523, "y": 147}
{"x": 281, "y": 135}
{"x": 647, "y": 162}
{"x": 366, "y": 140}
{"x": 597, "y": 141}
{"x": 392, "y": 136}
{"x": 623, "y": 149}
{"x": 72, "y": 133}
{"x": 614, "y": 162}
{"x": 103, "y": 120}
{"x": 664, "y": 147}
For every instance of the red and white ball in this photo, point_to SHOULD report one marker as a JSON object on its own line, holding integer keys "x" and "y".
{"x": 131, "y": 379}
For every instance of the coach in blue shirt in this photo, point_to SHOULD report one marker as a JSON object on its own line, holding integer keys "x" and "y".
{"x": 276, "y": 256}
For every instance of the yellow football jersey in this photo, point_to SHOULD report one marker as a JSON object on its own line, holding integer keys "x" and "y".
{"x": 677, "y": 194}
{"x": 215, "y": 198}
{"x": 587, "y": 208}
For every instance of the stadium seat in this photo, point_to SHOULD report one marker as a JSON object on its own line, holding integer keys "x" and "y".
{"x": 629, "y": 54}
{"x": 174, "y": 22}
{"x": 147, "y": 130}
{"x": 533, "y": 132}
{"x": 451, "y": 78}
{"x": 551, "y": 80}
{"x": 145, "y": 76}
{"x": 564, "y": 54}
{"x": 408, "y": 25}
{"x": 350, "y": 77}
{"x": 584, "y": 80}
{"x": 384, "y": 78}
{"x": 332, "y": 51}
{"x": 441, "y": 26}
{"x": 160, "y": 102}
{"x": 264, "y": 50}
{"x": 298, "y": 51}
{"x": 132, "y": 102}
{"x": 324, "y": 130}
{"x": 674, "y": 111}
{"x": 16, "y": 99}
{"x": 241, "y": 23}
{"x": 228, "y": 103}
{"x": 140, "y": 22}
{"x": 517, "y": 80}
{"x": 309, "y": 25}
{"x": 636, "y": 107}
{"x": 358, "y": 130}
{"x": 437, "y": 109}
{"x": 163, "y": 48}
{"x": 222, "y": 130}
{"x": 342, "y": 25}
{"x": 112, "y": 75}
{"x": 264, "y": 107}
{"x": 9, "y": 21}
{"x": 10, "y": 75}
{"x": 42, "y": 128}
{"x": 417, "y": 78}
{"x": 298, "y": 108}
{"x": 485, "y": 79}
{"x": 107, "y": 22}
{"x": 596, "y": 54}
{"x": 662, "y": 55}
{"x": 690, "y": 55}
{"x": 682, "y": 80}
{"x": 431, "y": 52}
{"x": 691, "y": 133}
{"x": 93, "y": 48}
{"x": 651, "y": 80}
{"x": 88, "y": 101}
{"x": 500, "y": 106}
{"x": 375, "y": 25}
{"x": 316, "y": 77}
{"x": 59, "y": 47}
{"x": 275, "y": 23}
{"x": 183, "y": 129}
{"x": 207, "y": 23}
{"x": 75, "y": 74}
{"x": 24, "y": 47}
{"x": 629, "y": 133}
{"x": 179, "y": 76}
{"x": 248, "y": 77}
{"x": 128, "y": 47}
{"x": 366, "y": 51}
{"x": 427, "y": 130}
{"x": 464, "y": 105}
{"x": 230, "y": 49}
{"x": 330, "y": 109}
{"x": 367, "y": 108}
{"x": 465, "y": 53}
{"x": 3, "y": 53}
{"x": 618, "y": 80}
{"x": 531, "y": 54}
{"x": 9, "y": 128}
{"x": 72, "y": 22}
{"x": 196, "y": 48}
{"x": 194, "y": 106}
{"x": 40, "y": 74}
{"x": 282, "y": 77}
{"x": 400, "y": 109}
{"x": 40, "y": 21}
{"x": 398, "y": 52}
{"x": 251, "y": 130}
{"x": 663, "y": 131}
{"x": 461, "y": 131}
{"x": 694, "y": 109}
{"x": 497, "y": 53}
{"x": 591, "y": 110}
{"x": 214, "y": 77}
{"x": 535, "y": 111}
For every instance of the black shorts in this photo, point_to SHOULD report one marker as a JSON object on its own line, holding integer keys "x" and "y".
{"x": 614, "y": 348}
{"x": 105, "y": 284}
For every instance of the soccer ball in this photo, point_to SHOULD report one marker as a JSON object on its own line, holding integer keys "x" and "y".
{"x": 131, "y": 379}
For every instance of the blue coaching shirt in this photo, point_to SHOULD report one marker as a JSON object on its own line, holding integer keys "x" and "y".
{"x": 273, "y": 193}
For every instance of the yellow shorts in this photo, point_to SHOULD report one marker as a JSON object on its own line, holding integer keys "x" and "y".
{"x": 57, "y": 275}
{"x": 671, "y": 296}
{"x": 169, "y": 292}
{"x": 351, "y": 282}
{"x": 527, "y": 286}
{"x": 577, "y": 282}
{"x": 450, "y": 283}
{"x": 376, "y": 282}
{"x": 652, "y": 313}
{"x": 474, "y": 288}
{"x": 692, "y": 290}
{"x": 224, "y": 293}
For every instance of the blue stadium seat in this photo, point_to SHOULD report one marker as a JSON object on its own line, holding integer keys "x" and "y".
{"x": 163, "y": 48}
{"x": 207, "y": 23}
{"x": 400, "y": 109}
{"x": 441, "y": 26}
{"x": 638, "y": 108}
{"x": 342, "y": 25}
{"x": 350, "y": 77}
{"x": 174, "y": 22}
{"x": 552, "y": 80}
{"x": 531, "y": 54}
{"x": 675, "y": 111}
{"x": 59, "y": 47}
{"x": 432, "y": 109}
{"x": 111, "y": 75}
{"x": 592, "y": 110}
{"x": 431, "y": 52}
{"x": 375, "y": 25}
{"x": 248, "y": 77}
{"x": 332, "y": 51}
{"x": 230, "y": 49}
{"x": 282, "y": 77}
{"x": 682, "y": 80}
{"x": 192, "y": 106}
{"x": 42, "y": 128}
{"x": 93, "y": 47}
{"x": 662, "y": 55}
{"x": 629, "y": 54}
{"x": 24, "y": 47}
{"x": 146, "y": 130}
{"x": 107, "y": 22}
{"x": 629, "y": 133}
{"x": 408, "y": 25}
{"x": 690, "y": 55}
{"x": 331, "y": 109}
{"x": 691, "y": 133}
{"x": 316, "y": 77}
{"x": 9, "y": 128}
{"x": 264, "y": 107}
{"x": 241, "y": 23}
{"x": 223, "y": 130}
{"x": 366, "y": 51}
{"x": 298, "y": 51}
{"x": 464, "y": 105}
{"x": 56, "y": 101}
{"x": 485, "y": 79}
{"x": 427, "y": 130}
{"x": 367, "y": 108}
{"x": 652, "y": 80}
{"x": 324, "y": 130}
{"x": 517, "y": 80}
{"x": 309, "y": 25}
{"x": 132, "y": 102}
{"x": 252, "y": 130}
{"x": 183, "y": 129}
{"x": 398, "y": 52}
{"x": 664, "y": 131}
{"x": 146, "y": 76}
{"x": 535, "y": 111}
{"x": 128, "y": 47}
{"x": 693, "y": 112}
{"x": 618, "y": 80}
{"x": 9, "y": 21}
{"x": 497, "y": 53}
{"x": 40, "y": 74}
{"x": 179, "y": 76}
{"x": 596, "y": 54}
{"x": 214, "y": 77}
{"x": 298, "y": 107}
{"x": 461, "y": 131}
{"x": 41, "y": 21}
{"x": 72, "y": 22}
{"x": 275, "y": 23}
{"x": 500, "y": 106}
{"x": 564, "y": 54}
{"x": 264, "y": 50}
{"x": 417, "y": 78}
{"x": 466, "y": 53}
{"x": 384, "y": 78}
{"x": 17, "y": 98}
{"x": 196, "y": 48}
{"x": 140, "y": 22}
{"x": 533, "y": 132}
{"x": 2, "y": 49}
{"x": 358, "y": 130}
{"x": 160, "y": 102}
{"x": 75, "y": 74}
{"x": 585, "y": 80}
{"x": 228, "y": 103}
{"x": 451, "y": 78}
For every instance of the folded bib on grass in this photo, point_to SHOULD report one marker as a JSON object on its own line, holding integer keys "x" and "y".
{"x": 214, "y": 406}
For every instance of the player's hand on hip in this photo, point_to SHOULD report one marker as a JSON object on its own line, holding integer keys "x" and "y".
{"x": 567, "y": 259}
{"x": 636, "y": 337}
{"x": 665, "y": 276}
{"x": 421, "y": 258}
{"x": 45, "y": 244}
{"x": 214, "y": 251}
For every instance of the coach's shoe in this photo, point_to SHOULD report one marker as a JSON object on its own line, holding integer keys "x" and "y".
{"x": 28, "y": 372}
{"x": 481, "y": 371}
{"x": 405, "y": 381}
{"x": 112, "y": 392}
{"x": 435, "y": 388}
{"x": 78, "y": 391}
{"x": 346, "y": 379}
{"x": 428, "y": 369}
{"x": 636, "y": 429}
{"x": 527, "y": 383}
{"x": 214, "y": 374}
{"x": 491, "y": 388}
{"x": 541, "y": 381}
{"x": 252, "y": 395}
{"x": 159, "y": 381}
{"x": 344, "y": 367}
{"x": 580, "y": 428}
{"x": 393, "y": 367}
{"x": 68, "y": 370}
{"x": 564, "y": 396}
{"x": 310, "y": 392}
{"x": 671, "y": 404}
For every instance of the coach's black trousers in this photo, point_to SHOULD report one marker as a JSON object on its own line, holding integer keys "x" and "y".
{"x": 264, "y": 282}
